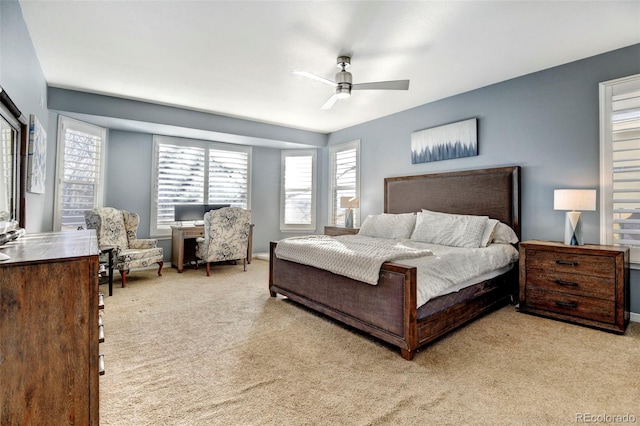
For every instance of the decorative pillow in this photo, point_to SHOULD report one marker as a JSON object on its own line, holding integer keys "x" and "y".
{"x": 449, "y": 229}
{"x": 503, "y": 234}
{"x": 388, "y": 225}
{"x": 487, "y": 237}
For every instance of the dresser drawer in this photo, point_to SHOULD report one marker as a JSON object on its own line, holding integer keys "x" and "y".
{"x": 599, "y": 266}
{"x": 573, "y": 305}
{"x": 581, "y": 285}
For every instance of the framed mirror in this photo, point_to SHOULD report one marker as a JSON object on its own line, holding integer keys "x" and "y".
{"x": 13, "y": 147}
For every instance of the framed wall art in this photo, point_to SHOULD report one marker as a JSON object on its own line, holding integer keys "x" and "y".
{"x": 445, "y": 142}
{"x": 37, "y": 156}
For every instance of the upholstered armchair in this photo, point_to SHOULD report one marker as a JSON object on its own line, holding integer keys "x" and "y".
{"x": 118, "y": 228}
{"x": 226, "y": 236}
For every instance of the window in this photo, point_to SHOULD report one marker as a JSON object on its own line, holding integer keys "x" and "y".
{"x": 79, "y": 172}
{"x": 620, "y": 163}
{"x": 298, "y": 190}
{"x": 198, "y": 172}
{"x": 344, "y": 175}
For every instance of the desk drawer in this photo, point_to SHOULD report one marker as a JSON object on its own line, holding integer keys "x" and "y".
{"x": 193, "y": 233}
{"x": 599, "y": 266}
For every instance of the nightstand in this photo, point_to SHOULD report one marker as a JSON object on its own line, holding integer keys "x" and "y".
{"x": 339, "y": 230}
{"x": 587, "y": 285}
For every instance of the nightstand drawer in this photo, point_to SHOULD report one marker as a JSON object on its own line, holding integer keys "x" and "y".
{"x": 576, "y": 306}
{"x": 600, "y": 266}
{"x": 581, "y": 285}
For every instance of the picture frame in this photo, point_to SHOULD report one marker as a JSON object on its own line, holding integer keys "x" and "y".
{"x": 446, "y": 142}
{"x": 37, "y": 156}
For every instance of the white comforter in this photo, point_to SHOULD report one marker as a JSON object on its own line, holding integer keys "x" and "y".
{"x": 353, "y": 256}
{"x": 440, "y": 269}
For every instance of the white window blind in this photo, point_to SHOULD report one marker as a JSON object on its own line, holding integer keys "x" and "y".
{"x": 79, "y": 172}
{"x": 298, "y": 190}
{"x": 197, "y": 172}
{"x": 344, "y": 175}
{"x": 228, "y": 177}
{"x": 620, "y": 164}
{"x": 181, "y": 179}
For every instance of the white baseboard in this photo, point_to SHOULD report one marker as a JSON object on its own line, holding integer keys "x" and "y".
{"x": 261, "y": 256}
{"x": 633, "y": 317}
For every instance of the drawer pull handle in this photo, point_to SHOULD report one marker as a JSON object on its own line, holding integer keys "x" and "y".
{"x": 566, "y": 283}
{"x": 567, "y": 304}
{"x": 566, "y": 262}
{"x": 101, "y": 369}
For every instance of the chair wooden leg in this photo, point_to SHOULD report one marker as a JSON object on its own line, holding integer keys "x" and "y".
{"x": 245, "y": 264}
{"x": 161, "y": 263}
{"x": 208, "y": 272}
{"x": 123, "y": 274}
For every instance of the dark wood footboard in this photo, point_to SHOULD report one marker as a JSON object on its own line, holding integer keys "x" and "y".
{"x": 386, "y": 310}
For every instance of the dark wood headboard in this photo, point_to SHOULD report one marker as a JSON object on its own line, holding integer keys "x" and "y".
{"x": 486, "y": 192}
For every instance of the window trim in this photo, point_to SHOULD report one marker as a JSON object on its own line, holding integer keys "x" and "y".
{"x": 606, "y": 91}
{"x": 156, "y": 232}
{"x": 313, "y": 153}
{"x": 65, "y": 122}
{"x": 333, "y": 150}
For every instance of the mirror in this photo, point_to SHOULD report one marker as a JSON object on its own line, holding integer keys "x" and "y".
{"x": 8, "y": 169}
{"x": 13, "y": 128}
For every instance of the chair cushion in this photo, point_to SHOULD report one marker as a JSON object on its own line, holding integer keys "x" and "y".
{"x": 132, "y": 258}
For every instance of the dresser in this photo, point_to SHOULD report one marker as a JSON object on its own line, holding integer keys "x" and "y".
{"x": 49, "y": 330}
{"x": 587, "y": 285}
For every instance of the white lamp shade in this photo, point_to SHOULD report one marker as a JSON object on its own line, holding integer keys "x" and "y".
{"x": 349, "y": 202}
{"x": 574, "y": 199}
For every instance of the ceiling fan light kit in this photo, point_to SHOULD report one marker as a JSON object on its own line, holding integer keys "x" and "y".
{"x": 344, "y": 82}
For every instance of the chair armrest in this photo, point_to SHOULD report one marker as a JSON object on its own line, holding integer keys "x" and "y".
{"x": 143, "y": 243}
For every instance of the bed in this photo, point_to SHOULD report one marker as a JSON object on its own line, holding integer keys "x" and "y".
{"x": 388, "y": 311}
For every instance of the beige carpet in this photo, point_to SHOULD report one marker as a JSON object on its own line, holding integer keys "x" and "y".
{"x": 186, "y": 349}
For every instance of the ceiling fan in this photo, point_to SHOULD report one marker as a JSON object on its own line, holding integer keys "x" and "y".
{"x": 343, "y": 82}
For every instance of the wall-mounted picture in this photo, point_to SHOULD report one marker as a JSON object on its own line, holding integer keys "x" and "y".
{"x": 453, "y": 140}
{"x": 36, "y": 166}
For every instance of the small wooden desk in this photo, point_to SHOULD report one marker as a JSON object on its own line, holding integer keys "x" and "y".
{"x": 183, "y": 244}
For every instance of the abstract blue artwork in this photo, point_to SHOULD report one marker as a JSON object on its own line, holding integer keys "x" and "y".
{"x": 37, "y": 156}
{"x": 445, "y": 142}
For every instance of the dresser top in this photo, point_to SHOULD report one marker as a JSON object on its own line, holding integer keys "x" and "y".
{"x": 50, "y": 246}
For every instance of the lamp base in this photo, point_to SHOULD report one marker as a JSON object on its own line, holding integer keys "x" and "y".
{"x": 573, "y": 229}
{"x": 348, "y": 218}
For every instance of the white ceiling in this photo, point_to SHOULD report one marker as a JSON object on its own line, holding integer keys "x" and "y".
{"x": 236, "y": 58}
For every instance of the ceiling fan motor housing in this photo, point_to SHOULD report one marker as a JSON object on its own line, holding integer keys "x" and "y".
{"x": 343, "y": 80}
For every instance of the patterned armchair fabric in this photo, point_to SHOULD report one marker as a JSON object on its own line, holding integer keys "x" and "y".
{"x": 118, "y": 228}
{"x": 226, "y": 236}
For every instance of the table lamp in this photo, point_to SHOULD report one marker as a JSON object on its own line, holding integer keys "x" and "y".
{"x": 577, "y": 201}
{"x": 349, "y": 203}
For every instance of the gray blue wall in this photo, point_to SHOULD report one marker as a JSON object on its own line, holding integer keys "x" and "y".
{"x": 22, "y": 78}
{"x": 546, "y": 122}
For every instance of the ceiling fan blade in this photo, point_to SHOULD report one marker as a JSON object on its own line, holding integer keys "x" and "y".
{"x": 315, "y": 77}
{"x": 383, "y": 85}
{"x": 332, "y": 100}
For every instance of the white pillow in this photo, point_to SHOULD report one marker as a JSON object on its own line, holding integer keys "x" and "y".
{"x": 388, "y": 225}
{"x": 489, "y": 230}
{"x": 503, "y": 234}
{"x": 449, "y": 229}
